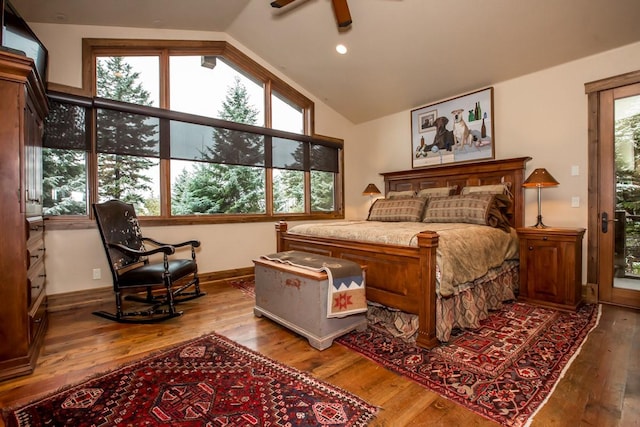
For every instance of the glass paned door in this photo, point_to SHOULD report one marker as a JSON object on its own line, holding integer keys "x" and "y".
{"x": 618, "y": 195}
{"x": 626, "y": 139}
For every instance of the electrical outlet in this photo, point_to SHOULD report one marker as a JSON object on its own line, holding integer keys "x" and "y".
{"x": 97, "y": 274}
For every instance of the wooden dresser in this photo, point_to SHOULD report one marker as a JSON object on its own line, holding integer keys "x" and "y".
{"x": 23, "y": 318}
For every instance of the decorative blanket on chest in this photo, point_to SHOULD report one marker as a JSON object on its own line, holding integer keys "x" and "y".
{"x": 346, "y": 280}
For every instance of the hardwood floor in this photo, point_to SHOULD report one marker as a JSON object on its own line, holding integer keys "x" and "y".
{"x": 601, "y": 388}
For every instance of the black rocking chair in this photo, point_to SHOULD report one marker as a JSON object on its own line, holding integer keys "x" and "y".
{"x": 132, "y": 270}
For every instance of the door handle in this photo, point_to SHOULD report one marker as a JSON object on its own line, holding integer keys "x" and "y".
{"x": 606, "y": 221}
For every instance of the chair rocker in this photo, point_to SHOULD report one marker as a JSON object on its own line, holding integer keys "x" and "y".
{"x": 133, "y": 272}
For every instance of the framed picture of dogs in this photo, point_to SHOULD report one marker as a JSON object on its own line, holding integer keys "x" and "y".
{"x": 457, "y": 130}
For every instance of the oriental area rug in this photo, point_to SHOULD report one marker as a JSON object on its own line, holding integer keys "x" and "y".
{"x": 209, "y": 381}
{"x": 504, "y": 371}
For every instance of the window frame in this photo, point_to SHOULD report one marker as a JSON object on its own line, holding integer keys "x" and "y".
{"x": 93, "y": 48}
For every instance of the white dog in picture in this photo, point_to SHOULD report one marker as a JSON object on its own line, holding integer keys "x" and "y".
{"x": 461, "y": 134}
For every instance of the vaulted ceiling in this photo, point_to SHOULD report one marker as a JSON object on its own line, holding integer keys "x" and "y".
{"x": 402, "y": 53}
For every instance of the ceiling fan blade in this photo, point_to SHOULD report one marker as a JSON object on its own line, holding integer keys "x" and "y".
{"x": 341, "y": 10}
{"x": 280, "y": 3}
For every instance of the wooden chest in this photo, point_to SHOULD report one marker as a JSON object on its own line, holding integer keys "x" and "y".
{"x": 296, "y": 298}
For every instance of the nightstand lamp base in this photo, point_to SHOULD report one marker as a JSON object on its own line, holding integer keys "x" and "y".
{"x": 539, "y": 224}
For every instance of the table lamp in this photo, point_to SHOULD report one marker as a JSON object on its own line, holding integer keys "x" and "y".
{"x": 540, "y": 178}
{"x": 371, "y": 191}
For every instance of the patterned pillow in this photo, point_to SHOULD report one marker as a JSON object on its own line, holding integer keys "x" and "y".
{"x": 487, "y": 189}
{"x": 397, "y": 210}
{"x": 409, "y": 194}
{"x": 438, "y": 191}
{"x": 478, "y": 208}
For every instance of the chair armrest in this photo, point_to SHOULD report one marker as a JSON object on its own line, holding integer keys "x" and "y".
{"x": 193, "y": 243}
{"x": 165, "y": 249}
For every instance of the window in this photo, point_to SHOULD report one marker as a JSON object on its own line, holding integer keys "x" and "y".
{"x": 134, "y": 79}
{"x": 201, "y": 85}
{"x": 187, "y": 132}
{"x": 65, "y": 158}
{"x": 128, "y": 149}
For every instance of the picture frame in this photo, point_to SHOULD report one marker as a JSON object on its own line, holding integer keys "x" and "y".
{"x": 456, "y": 130}
{"x": 427, "y": 120}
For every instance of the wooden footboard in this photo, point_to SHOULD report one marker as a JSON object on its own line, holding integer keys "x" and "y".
{"x": 396, "y": 276}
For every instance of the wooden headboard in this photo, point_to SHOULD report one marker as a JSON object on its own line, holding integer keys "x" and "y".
{"x": 466, "y": 174}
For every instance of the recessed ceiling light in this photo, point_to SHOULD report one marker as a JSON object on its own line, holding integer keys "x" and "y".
{"x": 341, "y": 49}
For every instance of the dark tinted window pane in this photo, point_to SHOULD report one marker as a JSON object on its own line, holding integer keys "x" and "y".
{"x": 127, "y": 133}
{"x": 288, "y": 154}
{"x": 324, "y": 158}
{"x": 65, "y": 127}
{"x": 190, "y": 141}
{"x": 236, "y": 148}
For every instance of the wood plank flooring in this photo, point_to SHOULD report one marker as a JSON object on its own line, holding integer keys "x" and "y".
{"x": 602, "y": 387}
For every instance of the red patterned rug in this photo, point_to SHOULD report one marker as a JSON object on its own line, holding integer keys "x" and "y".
{"x": 501, "y": 339}
{"x": 503, "y": 371}
{"x": 210, "y": 381}
{"x": 246, "y": 286}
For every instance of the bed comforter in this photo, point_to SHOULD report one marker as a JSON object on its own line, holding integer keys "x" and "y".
{"x": 465, "y": 252}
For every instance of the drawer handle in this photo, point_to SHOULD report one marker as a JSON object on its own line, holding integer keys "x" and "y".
{"x": 545, "y": 238}
{"x": 530, "y": 248}
{"x": 38, "y": 320}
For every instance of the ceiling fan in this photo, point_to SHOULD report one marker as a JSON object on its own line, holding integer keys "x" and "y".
{"x": 340, "y": 9}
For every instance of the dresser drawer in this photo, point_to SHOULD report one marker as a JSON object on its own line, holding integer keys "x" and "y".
{"x": 35, "y": 252}
{"x": 35, "y": 229}
{"x": 36, "y": 281}
{"x": 38, "y": 317}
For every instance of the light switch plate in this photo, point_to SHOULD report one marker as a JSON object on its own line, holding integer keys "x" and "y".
{"x": 575, "y": 202}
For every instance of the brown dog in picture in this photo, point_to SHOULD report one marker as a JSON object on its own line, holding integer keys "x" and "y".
{"x": 461, "y": 134}
{"x": 443, "y": 138}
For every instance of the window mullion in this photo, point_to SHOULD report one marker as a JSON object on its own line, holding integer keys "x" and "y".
{"x": 165, "y": 168}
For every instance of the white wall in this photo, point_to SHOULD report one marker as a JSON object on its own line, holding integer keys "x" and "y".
{"x": 542, "y": 115}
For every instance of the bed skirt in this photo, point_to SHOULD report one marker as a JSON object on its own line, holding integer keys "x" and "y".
{"x": 464, "y": 310}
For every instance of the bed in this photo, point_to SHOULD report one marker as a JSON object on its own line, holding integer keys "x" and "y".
{"x": 402, "y": 276}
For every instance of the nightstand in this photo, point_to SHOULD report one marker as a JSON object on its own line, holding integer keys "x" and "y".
{"x": 551, "y": 266}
